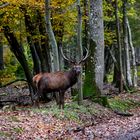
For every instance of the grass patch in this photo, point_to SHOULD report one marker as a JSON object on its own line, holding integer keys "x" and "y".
{"x": 5, "y": 134}
{"x": 14, "y": 119}
{"x": 18, "y": 130}
{"x": 72, "y": 111}
{"x": 121, "y": 104}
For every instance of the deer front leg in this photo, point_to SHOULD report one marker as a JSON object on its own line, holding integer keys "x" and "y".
{"x": 57, "y": 97}
{"x": 61, "y": 98}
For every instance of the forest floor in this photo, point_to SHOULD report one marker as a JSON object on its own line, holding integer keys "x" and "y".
{"x": 89, "y": 121}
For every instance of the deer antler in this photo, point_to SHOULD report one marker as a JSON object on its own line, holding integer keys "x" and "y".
{"x": 65, "y": 57}
{"x": 85, "y": 57}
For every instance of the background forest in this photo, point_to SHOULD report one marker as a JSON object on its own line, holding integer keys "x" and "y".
{"x": 101, "y": 38}
{"x": 36, "y": 31}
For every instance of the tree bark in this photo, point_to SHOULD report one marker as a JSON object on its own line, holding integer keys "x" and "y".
{"x": 134, "y": 68}
{"x": 32, "y": 30}
{"x": 126, "y": 45}
{"x": 29, "y": 29}
{"x": 44, "y": 40}
{"x": 97, "y": 36}
{"x": 119, "y": 47}
{"x": 80, "y": 51}
{"x": 18, "y": 52}
{"x": 51, "y": 37}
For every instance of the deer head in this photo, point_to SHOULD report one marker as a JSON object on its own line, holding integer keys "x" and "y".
{"x": 76, "y": 65}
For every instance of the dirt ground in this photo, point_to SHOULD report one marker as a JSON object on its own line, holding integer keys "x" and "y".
{"x": 28, "y": 123}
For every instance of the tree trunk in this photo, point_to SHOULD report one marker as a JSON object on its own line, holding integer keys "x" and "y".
{"x": 18, "y": 52}
{"x": 97, "y": 36}
{"x": 44, "y": 40}
{"x": 120, "y": 81}
{"x": 134, "y": 68}
{"x": 29, "y": 29}
{"x": 86, "y": 24}
{"x": 32, "y": 30}
{"x": 89, "y": 88}
{"x": 80, "y": 51}
{"x": 51, "y": 37}
{"x": 126, "y": 45}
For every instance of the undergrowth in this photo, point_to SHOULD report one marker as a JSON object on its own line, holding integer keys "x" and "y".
{"x": 71, "y": 112}
{"x": 122, "y": 104}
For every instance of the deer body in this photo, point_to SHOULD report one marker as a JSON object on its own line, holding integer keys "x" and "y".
{"x": 58, "y": 81}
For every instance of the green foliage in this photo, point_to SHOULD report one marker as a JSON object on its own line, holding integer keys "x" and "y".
{"x": 110, "y": 78}
{"x": 122, "y": 105}
{"x": 5, "y": 134}
{"x": 18, "y": 130}
{"x": 134, "y": 19}
{"x": 102, "y": 100}
{"x": 8, "y": 74}
{"x": 72, "y": 111}
{"x": 19, "y": 72}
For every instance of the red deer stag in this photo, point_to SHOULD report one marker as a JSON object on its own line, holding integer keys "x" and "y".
{"x": 59, "y": 81}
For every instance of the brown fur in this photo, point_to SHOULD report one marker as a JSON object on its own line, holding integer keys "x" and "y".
{"x": 56, "y": 82}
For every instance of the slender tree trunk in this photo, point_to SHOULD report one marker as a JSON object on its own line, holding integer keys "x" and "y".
{"x": 36, "y": 62}
{"x": 59, "y": 37}
{"x": 80, "y": 51}
{"x": 44, "y": 40}
{"x": 51, "y": 36}
{"x": 134, "y": 68}
{"x": 32, "y": 30}
{"x": 39, "y": 45}
{"x": 126, "y": 45}
{"x": 86, "y": 24}
{"x": 97, "y": 36}
{"x": 29, "y": 29}
{"x": 119, "y": 47}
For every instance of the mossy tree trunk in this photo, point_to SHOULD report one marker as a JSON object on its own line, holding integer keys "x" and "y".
{"x": 89, "y": 88}
{"x": 97, "y": 36}
{"x": 80, "y": 51}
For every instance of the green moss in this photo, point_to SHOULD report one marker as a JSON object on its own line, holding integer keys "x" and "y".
{"x": 88, "y": 88}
